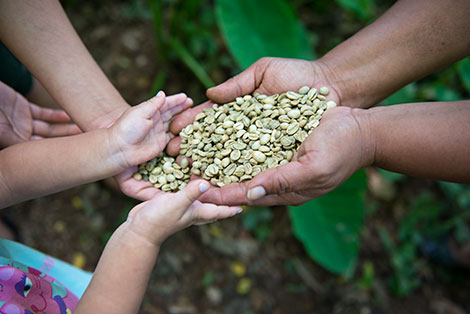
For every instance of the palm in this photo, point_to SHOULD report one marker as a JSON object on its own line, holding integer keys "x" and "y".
{"x": 16, "y": 122}
{"x": 266, "y": 76}
{"x": 330, "y": 154}
{"x": 144, "y": 137}
{"x": 327, "y": 157}
{"x": 273, "y": 76}
{"x": 22, "y": 121}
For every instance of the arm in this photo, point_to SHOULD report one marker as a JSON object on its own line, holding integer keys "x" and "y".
{"x": 411, "y": 40}
{"x": 429, "y": 140}
{"x": 40, "y": 35}
{"x": 120, "y": 279}
{"x": 36, "y": 168}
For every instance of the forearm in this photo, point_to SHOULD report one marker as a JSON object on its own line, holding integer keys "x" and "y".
{"x": 429, "y": 140}
{"x": 411, "y": 40}
{"x": 39, "y": 33}
{"x": 122, "y": 274}
{"x": 36, "y": 168}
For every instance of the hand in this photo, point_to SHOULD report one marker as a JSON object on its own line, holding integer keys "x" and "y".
{"x": 168, "y": 213}
{"x": 21, "y": 121}
{"x": 140, "y": 144}
{"x": 267, "y": 76}
{"x": 340, "y": 146}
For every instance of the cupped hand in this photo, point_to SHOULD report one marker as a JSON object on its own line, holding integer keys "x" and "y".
{"x": 22, "y": 121}
{"x": 337, "y": 148}
{"x": 140, "y": 134}
{"x": 266, "y": 76}
{"x": 168, "y": 213}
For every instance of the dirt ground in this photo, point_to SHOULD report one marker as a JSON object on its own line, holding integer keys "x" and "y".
{"x": 217, "y": 268}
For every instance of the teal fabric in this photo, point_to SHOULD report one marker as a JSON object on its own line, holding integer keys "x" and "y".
{"x": 13, "y": 73}
{"x": 76, "y": 280}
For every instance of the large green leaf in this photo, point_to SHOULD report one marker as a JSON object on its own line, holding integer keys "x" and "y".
{"x": 261, "y": 28}
{"x": 464, "y": 72}
{"x": 404, "y": 95}
{"x": 329, "y": 226}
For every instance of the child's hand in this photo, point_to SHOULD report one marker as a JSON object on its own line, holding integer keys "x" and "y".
{"x": 21, "y": 121}
{"x": 167, "y": 213}
{"x": 142, "y": 131}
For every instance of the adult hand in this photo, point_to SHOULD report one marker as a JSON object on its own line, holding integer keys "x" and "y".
{"x": 266, "y": 76}
{"x": 338, "y": 147}
{"x": 22, "y": 121}
{"x": 141, "y": 144}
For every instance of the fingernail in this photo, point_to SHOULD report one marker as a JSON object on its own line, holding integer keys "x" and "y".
{"x": 256, "y": 193}
{"x": 159, "y": 94}
{"x": 203, "y": 187}
{"x": 239, "y": 211}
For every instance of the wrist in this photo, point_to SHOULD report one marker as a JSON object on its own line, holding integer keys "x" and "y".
{"x": 108, "y": 118}
{"x": 347, "y": 80}
{"x": 129, "y": 233}
{"x": 364, "y": 120}
{"x": 114, "y": 150}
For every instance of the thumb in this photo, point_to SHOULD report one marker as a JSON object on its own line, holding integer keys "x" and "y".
{"x": 239, "y": 85}
{"x": 184, "y": 198}
{"x": 278, "y": 181}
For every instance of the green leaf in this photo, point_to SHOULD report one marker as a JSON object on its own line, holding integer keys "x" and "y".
{"x": 405, "y": 95}
{"x": 363, "y": 9}
{"x": 329, "y": 226}
{"x": 390, "y": 176}
{"x": 191, "y": 63}
{"x": 256, "y": 29}
{"x": 445, "y": 93}
{"x": 463, "y": 68}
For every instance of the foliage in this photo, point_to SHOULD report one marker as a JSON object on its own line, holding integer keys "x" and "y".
{"x": 257, "y": 220}
{"x": 450, "y": 84}
{"x": 365, "y": 10}
{"x": 186, "y": 32}
{"x": 329, "y": 226}
{"x": 463, "y": 68}
{"x": 277, "y": 33}
{"x": 366, "y": 282}
{"x": 430, "y": 220}
{"x": 405, "y": 264}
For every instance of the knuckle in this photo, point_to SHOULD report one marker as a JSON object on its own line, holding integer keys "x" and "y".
{"x": 282, "y": 183}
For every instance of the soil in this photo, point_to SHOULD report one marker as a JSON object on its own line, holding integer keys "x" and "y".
{"x": 195, "y": 269}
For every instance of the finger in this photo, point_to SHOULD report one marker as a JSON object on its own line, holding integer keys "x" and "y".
{"x": 187, "y": 117}
{"x": 174, "y": 100}
{"x": 148, "y": 108}
{"x": 205, "y": 213}
{"x": 49, "y": 115}
{"x": 239, "y": 85}
{"x": 277, "y": 181}
{"x": 281, "y": 180}
{"x": 231, "y": 194}
{"x": 184, "y": 198}
{"x": 44, "y": 129}
{"x": 290, "y": 198}
{"x": 173, "y": 147}
{"x": 170, "y": 112}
